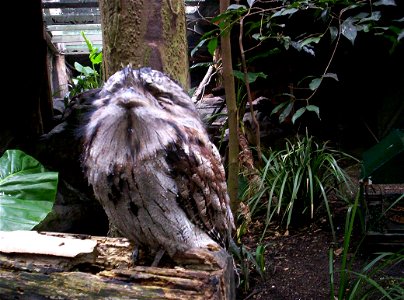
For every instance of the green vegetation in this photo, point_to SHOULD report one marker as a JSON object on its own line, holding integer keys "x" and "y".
{"x": 89, "y": 77}
{"x": 27, "y": 191}
{"x": 372, "y": 282}
{"x": 249, "y": 262}
{"x": 295, "y": 181}
{"x": 268, "y": 30}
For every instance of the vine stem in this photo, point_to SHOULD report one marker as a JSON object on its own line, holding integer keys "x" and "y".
{"x": 332, "y": 55}
{"x": 247, "y": 85}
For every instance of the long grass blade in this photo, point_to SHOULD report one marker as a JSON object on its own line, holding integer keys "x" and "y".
{"x": 269, "y": 206}
{"x": 373, "y": 283}
{"x": 349, "y": 223}
{"x": 331, "y": 271}
{"x": 392, "y": 205}
{"x": 281, "y": 191}
{"x": 311, "y": 190}
{"x": 327, "y": 207}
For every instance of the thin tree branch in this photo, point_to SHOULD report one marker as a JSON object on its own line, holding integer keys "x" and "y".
{"x": 247, "y": 85}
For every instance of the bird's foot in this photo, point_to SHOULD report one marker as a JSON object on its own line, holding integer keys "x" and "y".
{"x": 158, "y": 257}
{"x": 135, "y": 255}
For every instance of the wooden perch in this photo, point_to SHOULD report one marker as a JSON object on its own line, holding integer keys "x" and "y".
{"x": 31, "y": 242}
{"x": 67, "y": 266}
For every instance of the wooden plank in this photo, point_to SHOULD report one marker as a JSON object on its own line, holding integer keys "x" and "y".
{"x": 109, "y": 275}
{"x": 70, "y": 4}
{"x": 61, "y": 79}
{"x": 72, "y": 19}
{"x": 91, "y": 3}
{"x": 76, "y": 38}
{"x": 31, "y": 242}
{"x": 74, "y": 27}
{"x": 75, "y": 49}
{"x": 51, "y": 46}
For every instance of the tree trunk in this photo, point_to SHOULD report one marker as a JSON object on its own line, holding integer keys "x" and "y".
{"x": 145, "y": 33}
{"x": 233, "y": 167}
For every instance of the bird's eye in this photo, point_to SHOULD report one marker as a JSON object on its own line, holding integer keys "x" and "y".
{"x": 165, "y": 99}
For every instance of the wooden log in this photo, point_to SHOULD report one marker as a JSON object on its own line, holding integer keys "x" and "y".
{"x": 105, "y": 271}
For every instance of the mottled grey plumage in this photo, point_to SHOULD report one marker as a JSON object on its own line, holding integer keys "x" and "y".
{"x": 152, "y": 166}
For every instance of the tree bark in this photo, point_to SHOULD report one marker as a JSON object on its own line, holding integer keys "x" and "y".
{"x": 145, "y": 33}
{"x": 66, "y": 266}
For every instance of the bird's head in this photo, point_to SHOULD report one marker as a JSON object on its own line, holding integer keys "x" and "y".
{"x": 147, "y": 90}
{"x": 141, "y": 110}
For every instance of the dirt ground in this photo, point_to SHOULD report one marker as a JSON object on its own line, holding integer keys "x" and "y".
{"x": 297, "y": 263}
{"x": 296, "y": 266}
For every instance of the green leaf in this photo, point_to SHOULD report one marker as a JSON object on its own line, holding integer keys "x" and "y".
{"x": 315, "y": 83}
{"x": 285, "y": 113}
{"x": 348, "y": 29}
{"x": 200, "y": 44}
{"x": 401, "y": 35}
{"x": 88, "y": 42}
{"x": 250, "y": 2}
{"x": 239, "y": 75}
{"x": 333, "y": 33}
{"x": 27, "y": 191}
{"x": 315, "y": 109}
{"x": 88, "y": 70}
{"x": 331, "y": 75}
{"x": 298, "y": 114}
{"x": 252, "y": 77}
{"x": 385, "y": 2}
{"x": 310, "y": 40}
{"x": 259, "y": 37}
{"x": 375, "y": 16}
{"x": 212, "y": 45}
{"x": 284, "y": 12}
{"x": 96, "y": 57}
{"x": 235, "y": 7}
{"x": 78, "y": 67}
{"x": 325, "y": 14}
{"x": 278, "y": 107}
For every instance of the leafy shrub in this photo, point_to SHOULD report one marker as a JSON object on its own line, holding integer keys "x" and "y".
{"x": 89, "y": 77}
{"x": 298, "y": 179}
{"x": 312, "y": 28}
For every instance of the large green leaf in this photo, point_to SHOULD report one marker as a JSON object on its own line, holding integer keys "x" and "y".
{"x": 252, "y": 77}
{"x": 27, "y": 191}
{"x": 349, "y": 30}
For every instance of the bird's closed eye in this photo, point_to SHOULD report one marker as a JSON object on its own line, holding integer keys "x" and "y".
{"x": 165, "y": 98}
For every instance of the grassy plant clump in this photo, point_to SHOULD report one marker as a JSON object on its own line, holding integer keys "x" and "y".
{"x": 375, "y": 279}
{"x": 249, "y": 262}
{"x": 297, "y": 180}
